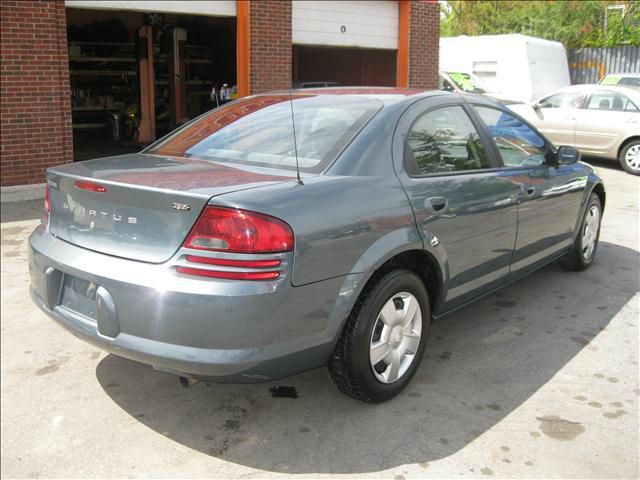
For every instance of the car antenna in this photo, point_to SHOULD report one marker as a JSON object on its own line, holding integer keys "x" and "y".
{"x": 295, "y": 141}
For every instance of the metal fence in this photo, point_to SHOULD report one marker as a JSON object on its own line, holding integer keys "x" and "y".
{"x": 588, "y": 65}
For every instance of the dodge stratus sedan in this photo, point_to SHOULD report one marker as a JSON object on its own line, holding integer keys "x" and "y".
{"x": 235, "y": 251}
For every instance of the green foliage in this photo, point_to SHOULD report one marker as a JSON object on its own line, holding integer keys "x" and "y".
{"x": 574, "y": 23}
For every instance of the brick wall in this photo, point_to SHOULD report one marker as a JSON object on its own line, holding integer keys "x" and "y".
{"x": 35, "y": 109}
{"x": 424, "y": 43}
{"x": 270, "y": 45}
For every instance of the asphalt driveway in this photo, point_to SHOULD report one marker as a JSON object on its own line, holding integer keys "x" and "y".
{"x": 538, "y": 380}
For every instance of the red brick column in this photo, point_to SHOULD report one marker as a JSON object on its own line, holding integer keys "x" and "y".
{"x": 35, "y": 107}
{"x": 424, "y": 43}
{"x": 270, "y": 45}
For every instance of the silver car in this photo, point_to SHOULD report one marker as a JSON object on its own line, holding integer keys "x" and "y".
{"x": 210, "y": 255}
{"x": 600, "y": 120}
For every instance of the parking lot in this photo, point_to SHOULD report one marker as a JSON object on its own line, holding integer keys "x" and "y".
{"x": 537, "y": 380}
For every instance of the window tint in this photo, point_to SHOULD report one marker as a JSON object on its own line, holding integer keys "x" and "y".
{"x": 613, "y": 101}
{"x": 519, "y": 144}
{"x": 632, "y": 81}
{"x": 444, "y": 140}
{"x": 259, "y": 131}
{"x": 562, "y": 100}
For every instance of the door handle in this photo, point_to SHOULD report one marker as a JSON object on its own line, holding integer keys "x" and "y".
{"x": 529, "y": 189}
{"x": 436, "y": 205}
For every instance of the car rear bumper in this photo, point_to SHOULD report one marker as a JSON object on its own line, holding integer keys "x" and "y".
{"x": 219, "y": 330}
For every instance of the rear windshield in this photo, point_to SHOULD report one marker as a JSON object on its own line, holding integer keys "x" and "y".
{"x": 259, "y": 131}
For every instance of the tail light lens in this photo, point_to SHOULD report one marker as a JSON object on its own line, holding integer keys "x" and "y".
{"x": 90, "y": 186}
{"x": 229, "y": 275}
{"x": 234, "y": 263}
{"x": 47, "y": 201}
{"x": 239, "y": 231}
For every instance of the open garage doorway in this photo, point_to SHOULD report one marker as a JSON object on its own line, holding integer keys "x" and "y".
{"x": 135, "y": 76}
{"x": 344, "y": 66}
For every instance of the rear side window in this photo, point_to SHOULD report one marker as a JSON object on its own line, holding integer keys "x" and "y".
{"x": 259, "y": 131}
{"x": 444, "y": 140}
{"x": 519, "y": 144}
{"x": 612, "y": 101}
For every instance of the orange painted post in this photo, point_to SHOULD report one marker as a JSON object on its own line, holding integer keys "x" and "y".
{"x": 243, "y": 47}
{"x": 147, "y": 127}
{"x": 403, "y": 44}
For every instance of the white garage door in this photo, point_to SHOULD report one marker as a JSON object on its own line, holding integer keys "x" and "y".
{"x": 224, "y": 8}
{"x": 369, "y": 24}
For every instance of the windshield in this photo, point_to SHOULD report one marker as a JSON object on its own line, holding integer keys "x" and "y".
{"x": 259, "y": 131}
{"x": 620, "y": 80}
{"x": 468, "y": 82}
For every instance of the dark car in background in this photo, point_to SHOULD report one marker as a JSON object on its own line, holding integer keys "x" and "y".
{"x": 631, "y": 80}
{"x": 242, "y": 249}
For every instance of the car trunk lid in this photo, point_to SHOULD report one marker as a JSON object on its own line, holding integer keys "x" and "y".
{"x": 139, "y": 206}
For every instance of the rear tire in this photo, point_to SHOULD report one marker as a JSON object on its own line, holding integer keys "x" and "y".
{"x": 388, "y": 326}
{"x": 630, "y": 157}
{"x": 584, "y": 249}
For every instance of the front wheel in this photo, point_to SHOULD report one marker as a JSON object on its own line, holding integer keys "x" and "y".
{"x": 384, "y": 338}
{"x": 583, "y": 252}
{"x": 630, "y": 157}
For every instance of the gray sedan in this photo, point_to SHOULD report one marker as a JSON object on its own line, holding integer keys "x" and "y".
{"x": 282, "y": 232}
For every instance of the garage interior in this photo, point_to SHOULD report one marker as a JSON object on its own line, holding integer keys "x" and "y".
{"x": 344, "y": 66}
{"x": 123, "y": 63}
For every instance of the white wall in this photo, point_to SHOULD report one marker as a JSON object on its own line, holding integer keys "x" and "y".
{"x": 369, "y": 24}
{"x": 225, "y": 8}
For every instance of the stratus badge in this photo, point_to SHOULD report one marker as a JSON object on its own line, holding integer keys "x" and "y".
{"x": 181, "y": 207}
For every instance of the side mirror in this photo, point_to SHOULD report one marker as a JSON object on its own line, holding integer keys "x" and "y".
{"x": 535, "y": 105}
{"x": 566, "y": 155}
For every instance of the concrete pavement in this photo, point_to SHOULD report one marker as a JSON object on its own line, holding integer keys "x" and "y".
{"x": 538, "y": 380}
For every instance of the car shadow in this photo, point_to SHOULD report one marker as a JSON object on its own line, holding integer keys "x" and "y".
{"x": 597, "y": 162}
{"x": 481, "y": 364}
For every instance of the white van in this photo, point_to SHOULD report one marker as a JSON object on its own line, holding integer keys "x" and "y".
{"x": 512, "y": 66}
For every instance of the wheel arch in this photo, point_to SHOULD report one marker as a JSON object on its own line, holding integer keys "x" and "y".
{"x": 633, "y": 138}
{"x": 423, "y": 264}
{"x": 598, "y": 189}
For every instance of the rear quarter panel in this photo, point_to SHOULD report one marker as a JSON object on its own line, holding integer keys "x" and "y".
{"x": 342, "y": 224}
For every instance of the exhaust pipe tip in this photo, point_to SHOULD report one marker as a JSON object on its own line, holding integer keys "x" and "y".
{"x": 187, "y": 382}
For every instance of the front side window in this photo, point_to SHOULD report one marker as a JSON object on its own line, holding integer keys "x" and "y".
{"x": 442, "y": 141}
{"x": 519, "y": 144}
{"x": 562, "y": 100}
{"x": 258, "y": 131}
{"x": 612, "y": 101}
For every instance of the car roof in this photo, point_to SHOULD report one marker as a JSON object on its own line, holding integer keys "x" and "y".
{"x": 588, "y": 88}
{"x": 623, "y": 74}
{"x": 387, "y": 95}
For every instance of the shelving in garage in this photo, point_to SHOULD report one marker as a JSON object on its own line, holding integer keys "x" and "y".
{"x": 117, "y": 93}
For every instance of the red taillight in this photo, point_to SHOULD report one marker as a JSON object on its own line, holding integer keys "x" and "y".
{"x": 229, "y": 275}
{"x": 223, "y": 262}
{"x": 47, "y": 201}
{"x": 90, "y": 186}
{"x": 239, "y": 231}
